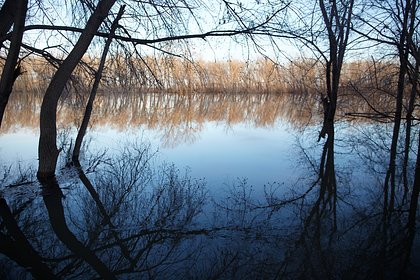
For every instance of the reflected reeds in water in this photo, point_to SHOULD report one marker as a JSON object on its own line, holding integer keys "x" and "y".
{"x": 122, "y": 216}
{"x": 178, "y": 117}
{"x": 157, "y": 110}
{"x": 163, "y": 109}
{"x": 124, "y": 219}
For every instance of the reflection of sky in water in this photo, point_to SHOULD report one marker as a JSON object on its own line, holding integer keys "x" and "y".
{"x": 259, "y": 154}
{"x": 220, "y": 153}
{"x": 20, "y": 145}
{"x": 217, "y": 152}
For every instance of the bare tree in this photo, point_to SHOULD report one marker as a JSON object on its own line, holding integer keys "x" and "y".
{"x": 98, "y": 75}
{"x": 337, "y": 18}
{"x": 323, "y": 29}
{"x": 47, "y": 150}
{"x": 11, "y": 13}
{"x": 393, "y": 25}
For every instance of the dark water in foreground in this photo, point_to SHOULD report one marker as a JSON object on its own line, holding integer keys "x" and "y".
{"x": 201, "y": 187}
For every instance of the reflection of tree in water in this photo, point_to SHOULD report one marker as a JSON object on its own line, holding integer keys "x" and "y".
{"x": 123, "y": 217}
{"x": 178, "y": 117}
{"x": 318, "y": 235}
{"x": 130, "y": 220}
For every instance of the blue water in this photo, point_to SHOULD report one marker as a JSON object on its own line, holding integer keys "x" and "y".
{"x": 218, "y": 153}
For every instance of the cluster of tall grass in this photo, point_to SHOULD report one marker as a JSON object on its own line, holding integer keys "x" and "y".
{"x": 202, "y": 90}
{"x": 176, "y": 75}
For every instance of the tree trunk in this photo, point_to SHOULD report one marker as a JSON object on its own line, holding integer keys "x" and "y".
{"x": 10, "y": 71}
{"x": 47, "y": 149}
{"x": 338, "y": 28}
{"x": 389, "y": 184}
{"x": 409, "y": 121}
{"x": 403, "y": 52}
{"x": 389, "y": 187}
{"x": 98, "y": 76}
{"x": 7, "y": 15}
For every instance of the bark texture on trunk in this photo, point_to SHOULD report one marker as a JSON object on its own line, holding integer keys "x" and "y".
{"x": 47, "y": 149}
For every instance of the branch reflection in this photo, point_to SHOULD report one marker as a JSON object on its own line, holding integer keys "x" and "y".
{"x": 125, "y": 217}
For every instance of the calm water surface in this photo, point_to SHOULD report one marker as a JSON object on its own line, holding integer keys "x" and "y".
{"x": 208, "y": 143}
{"x": 238, "y": 196}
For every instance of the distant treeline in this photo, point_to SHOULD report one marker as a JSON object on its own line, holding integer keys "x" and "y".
{"x": 176, "y": 75}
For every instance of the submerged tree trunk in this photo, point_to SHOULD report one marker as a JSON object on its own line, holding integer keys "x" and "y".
{"x": 47, "y": 149}
{"x": 403, "y": 53}
{"x": 409, "y": 124}
{"x": 389, "y": 184}
{"x": 337, "y": 39}
{"x": 98, "y": 76}
{"x": 11, "y": 70}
